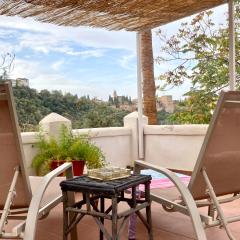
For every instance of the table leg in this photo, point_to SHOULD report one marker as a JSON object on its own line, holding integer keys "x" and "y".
{"x": 65, "y": 215}
{"x": 114, "y": 218}
{"x": 133, "y": 217}
{"x": 71, "y": 201}
{"x": 148, "y": 210}
{"x": 102, "y": 209}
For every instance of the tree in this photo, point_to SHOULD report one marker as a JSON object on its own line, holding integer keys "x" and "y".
{"x": 199, "y": 51}
{"x": 163, "y": 117}
{"x": 149, "y": 88}
{"x": 110, "y": 100}
{"x": 83, "y": 112}
{"x": 195, "y": 109}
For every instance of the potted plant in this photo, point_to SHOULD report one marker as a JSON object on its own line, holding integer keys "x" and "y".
{"x": 68, "y": 148}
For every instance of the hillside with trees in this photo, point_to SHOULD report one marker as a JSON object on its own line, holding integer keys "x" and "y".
{"x": 84, "y": 112}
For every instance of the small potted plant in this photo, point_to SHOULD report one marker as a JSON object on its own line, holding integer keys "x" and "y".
{"x": 68, "y": 148}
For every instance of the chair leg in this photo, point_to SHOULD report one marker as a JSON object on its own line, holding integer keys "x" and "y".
{"x": 211, "y": 211}
{"x": 217, "y": 205}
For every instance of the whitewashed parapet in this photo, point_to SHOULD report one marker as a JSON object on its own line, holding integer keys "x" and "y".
{"x": 115, "y": 143}
{"x": 188, "y": 130}
{"x": 29, "y": 139}
{"x": 104, "y": 132}
{"x": 131, "y": 121}
{"x": 174, "y": 146}
{"x": 51, "y": 124}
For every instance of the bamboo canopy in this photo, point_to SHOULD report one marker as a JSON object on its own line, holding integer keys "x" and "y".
{"x": 130, "y": 15}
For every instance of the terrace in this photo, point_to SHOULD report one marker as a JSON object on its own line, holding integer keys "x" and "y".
{"x": 136, "y": 139}
{"x": 159, "y": 142}
{"x": 166, "y": 226}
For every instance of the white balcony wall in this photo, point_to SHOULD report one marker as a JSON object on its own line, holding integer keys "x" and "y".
{"x": 114, "y": 142}
{"x": 172, "y": 146}
{"x": 29, "y": 140}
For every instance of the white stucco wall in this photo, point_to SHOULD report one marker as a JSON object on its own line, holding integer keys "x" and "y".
{"x": 29, "y": 139}
{"x": 173, "y": 146}
{"x": 114, "y": 142}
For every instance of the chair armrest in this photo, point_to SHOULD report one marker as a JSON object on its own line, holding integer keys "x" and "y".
{"x": 34, "y": 207}
{"x": 66, "y": 167}
{"x": 184, "y": 191}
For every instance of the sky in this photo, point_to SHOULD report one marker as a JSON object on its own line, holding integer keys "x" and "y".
{"x": 80, "y": 60}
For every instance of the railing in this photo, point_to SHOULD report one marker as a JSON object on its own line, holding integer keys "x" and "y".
{"x": 172, "y": 146}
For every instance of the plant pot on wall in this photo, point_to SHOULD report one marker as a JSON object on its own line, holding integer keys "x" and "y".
{"x": 66, "y": 148}
{"x": 78, "y": 166}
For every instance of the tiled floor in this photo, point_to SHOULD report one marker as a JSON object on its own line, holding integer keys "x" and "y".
{"x": 166, "y": 226}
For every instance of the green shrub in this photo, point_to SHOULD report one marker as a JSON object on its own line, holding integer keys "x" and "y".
{"x": 68, "y": 147}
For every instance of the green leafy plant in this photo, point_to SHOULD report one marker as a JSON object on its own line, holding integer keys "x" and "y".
{"x": 198, "y": 54}
{"x": 68, "y": 147}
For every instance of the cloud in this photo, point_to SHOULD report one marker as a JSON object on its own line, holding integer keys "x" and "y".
{"x": 87, "y": 53}
{"x": 48, "y": 55}
{"x": 88, "y": 37}
{"x": 56, "y": 65}
{"x": 43, "y": 78}
{"x": 7, "y": 32}
{"x": 6, "y": 47}
{"x": 53, "y": 77}
{"x": 25, "y": 68}
{"x": 45, "y": 43}
{"x": 128, "y": 62}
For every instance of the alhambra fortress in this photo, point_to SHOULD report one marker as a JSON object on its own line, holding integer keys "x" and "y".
{"x": 165, "y": 103}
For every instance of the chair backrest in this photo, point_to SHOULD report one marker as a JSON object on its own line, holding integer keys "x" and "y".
{"x": 11, "y": 151}
{"x": 220, "y": 152}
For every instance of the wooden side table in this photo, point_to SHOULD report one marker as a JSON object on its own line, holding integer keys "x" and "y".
{"x": 93, "y": 190}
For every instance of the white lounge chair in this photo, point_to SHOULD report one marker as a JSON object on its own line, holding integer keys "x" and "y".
{"x": 215, "y": 178}
{"x": 22, "y": 197}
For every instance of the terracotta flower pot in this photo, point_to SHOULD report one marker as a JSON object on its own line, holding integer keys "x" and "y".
{"x": 78, "y": 166}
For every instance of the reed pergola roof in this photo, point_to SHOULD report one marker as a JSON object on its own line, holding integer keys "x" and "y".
{"x": 131, "y": 15}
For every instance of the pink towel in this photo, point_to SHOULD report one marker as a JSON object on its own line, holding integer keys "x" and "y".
{"x": 165, "y": 182}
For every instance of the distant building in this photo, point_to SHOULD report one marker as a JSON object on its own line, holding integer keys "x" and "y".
{"x": 165, "y": 103}
{"x": 134, "y": 104}
{"x": 95, "y": 99}
{"x": 18, "y": 82}
{"x": 115, "y": 94}
{"x": 21, "y": 82}
{"x": 122, "y": 102}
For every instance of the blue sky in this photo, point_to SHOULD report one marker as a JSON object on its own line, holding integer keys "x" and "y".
{"x": 79, "y": 60}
